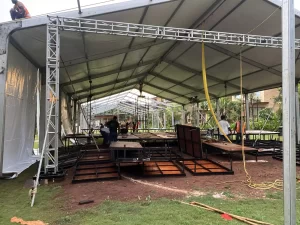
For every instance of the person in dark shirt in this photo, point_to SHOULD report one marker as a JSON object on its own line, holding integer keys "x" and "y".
{"x": 133, "y": 127}
{"x": 114, "y": 128}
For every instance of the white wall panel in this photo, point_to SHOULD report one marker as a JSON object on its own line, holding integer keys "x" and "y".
{"x": 20, "y": 113}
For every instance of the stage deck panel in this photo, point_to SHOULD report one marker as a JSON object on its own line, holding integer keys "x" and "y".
{"x": 163, "y": 168}
{"x": 204, "y": 167}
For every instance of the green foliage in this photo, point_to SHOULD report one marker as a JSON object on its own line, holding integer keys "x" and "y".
{"x": 232, "y": 110}
{"x": 267, "y": 120}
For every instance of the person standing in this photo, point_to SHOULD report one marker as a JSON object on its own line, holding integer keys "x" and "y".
{"x": 133, "y": 127}
{"x": 105, "y": 134}
{"x": 19, "y": 11}
{"x": 225, "y": 127}
{"x": 239, "y": 129}
{"x": 114, "y": 128}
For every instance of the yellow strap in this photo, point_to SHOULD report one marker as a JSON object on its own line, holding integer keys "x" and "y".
{"x": 207, "y": 94}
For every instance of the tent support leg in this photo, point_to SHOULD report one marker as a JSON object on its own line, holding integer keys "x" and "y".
{"x": 74, "y": 115}
{"x": 289, "y": 120}
{"x": 52, "y": 94}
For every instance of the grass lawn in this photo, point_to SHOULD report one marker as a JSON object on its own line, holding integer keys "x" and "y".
{"x": 49, "y": 207}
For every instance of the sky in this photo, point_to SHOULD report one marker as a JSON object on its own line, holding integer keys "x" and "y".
{"x": 38, "y": 7}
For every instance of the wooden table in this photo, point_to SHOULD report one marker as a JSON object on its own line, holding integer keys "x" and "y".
{"x": 120, "y": 145}
{"x": 228, "y": 148}
{"x": 125, "y": 146}
{"x": 143, "y": 138}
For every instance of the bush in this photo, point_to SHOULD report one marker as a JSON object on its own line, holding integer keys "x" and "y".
{"x": 272, "y": 124}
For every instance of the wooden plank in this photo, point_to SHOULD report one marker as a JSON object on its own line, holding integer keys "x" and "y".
{"x": 229, "y": 147}
{"x": 168, "y": 167}
{"x": 171, "y": 172}
{"x": 125, "y": 145}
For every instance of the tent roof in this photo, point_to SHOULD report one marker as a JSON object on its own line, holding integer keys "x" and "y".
{"x": 127, "y": 102}
{"x": 169, "y": 69}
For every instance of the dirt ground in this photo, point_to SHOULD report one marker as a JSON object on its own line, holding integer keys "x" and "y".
{"x": 265, "y": 170}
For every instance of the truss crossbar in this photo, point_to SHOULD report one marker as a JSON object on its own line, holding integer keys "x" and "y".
{"x": 167, "y": 33}
{"x": 52, "y": 94}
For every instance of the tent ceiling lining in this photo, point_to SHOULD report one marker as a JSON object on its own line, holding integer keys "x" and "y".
{"x": 171, "y": 68}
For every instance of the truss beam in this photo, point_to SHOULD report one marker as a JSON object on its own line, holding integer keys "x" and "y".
{"x": 167, "y": 33}
{"x": 52, "y": 94}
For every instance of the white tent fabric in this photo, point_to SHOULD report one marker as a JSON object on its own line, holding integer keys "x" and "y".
{"x": 168, "y": 69}
{"x": 20, "y": 113}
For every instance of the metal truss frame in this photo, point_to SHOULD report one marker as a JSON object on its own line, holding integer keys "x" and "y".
{"x": 57, "y": 24}
{"x": 52, "y": 95}
{"x": 168, "y": 33}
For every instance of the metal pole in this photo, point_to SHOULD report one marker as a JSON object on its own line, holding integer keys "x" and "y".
{"x": 74, "y": 115}
{"x": 197, "y": 115}
{"x": 247, "y": 112}
{"x": 252, "y": 112}
{"x": 257, "y": 110}
{"x": 42, "y": 154}
{"x": 289, "y": 120}
{"x": 218, "y": 108}
{"x": 38, "y": 103}
{"x": 173, "y": 122}
{"x": 79, "y": 7}
{"x": 152, "y": 120}
{"x": 183, "y": 116}
{"x": 297, "y": 114}
{"x": 158, "y": 120}
{"x": 78, "y": 130}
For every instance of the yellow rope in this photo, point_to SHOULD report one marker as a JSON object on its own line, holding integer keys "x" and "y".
{"x": 277, "y": 184}
{"x": 207, "y": 94}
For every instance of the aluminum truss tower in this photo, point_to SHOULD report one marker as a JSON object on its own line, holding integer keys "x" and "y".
{"x": 52, "y": 95}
